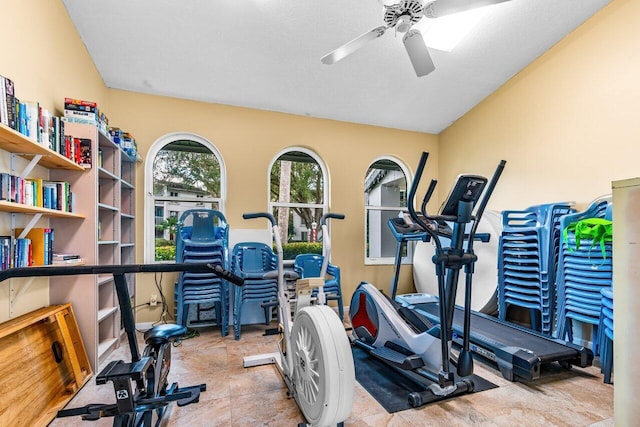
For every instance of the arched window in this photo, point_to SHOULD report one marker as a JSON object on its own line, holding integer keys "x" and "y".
{"x": 385, "y": 195}
{"x": 298, "y": 194}
{"x": 183, "y": 171}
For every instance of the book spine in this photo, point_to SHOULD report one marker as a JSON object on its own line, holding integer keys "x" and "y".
{"x": 3, "y": 103}
{"x": 32, "y": 112}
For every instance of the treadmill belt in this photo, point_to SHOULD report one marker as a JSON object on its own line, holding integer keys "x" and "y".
{"x": 487, "y": 330}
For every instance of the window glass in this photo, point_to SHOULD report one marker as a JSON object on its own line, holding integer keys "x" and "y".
{"x": 297, "y": 198}
{"x": 186, "y": 174}
{"x": 385, "y": 195}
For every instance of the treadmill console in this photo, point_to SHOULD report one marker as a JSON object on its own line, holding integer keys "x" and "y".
{"x": 467, "y": 188}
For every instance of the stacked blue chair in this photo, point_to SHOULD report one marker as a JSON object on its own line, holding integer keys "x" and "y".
{"x": 202, "y": 237}
{"x": 527, "y": 260}
{"x": 310, "y": 265}
{"x": 606, "y": 334}
{"x": 257, "y": 264}
{"x": 583, "y": 271}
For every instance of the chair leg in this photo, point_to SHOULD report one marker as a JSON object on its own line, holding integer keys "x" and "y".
{"x": 184, "y": 318}
{"x": 608, "y": 365}
{"x": 533, "y": 315}
{"x": 224, "y": 313}
{"x": 237, "y": 306}
{"x": 267, "y": 315}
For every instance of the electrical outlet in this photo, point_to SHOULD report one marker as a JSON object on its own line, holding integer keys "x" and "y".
{"x": 153, "y": 300}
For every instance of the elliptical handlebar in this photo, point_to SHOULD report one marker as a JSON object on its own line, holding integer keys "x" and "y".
{"x": 483, "y": 203}
{"x": 429, "y": 229}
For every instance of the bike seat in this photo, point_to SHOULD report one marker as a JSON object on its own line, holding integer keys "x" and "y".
{"x": 164, "y": 333}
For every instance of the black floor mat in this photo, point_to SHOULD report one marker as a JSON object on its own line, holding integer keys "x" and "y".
{"x": 390, "y": 389}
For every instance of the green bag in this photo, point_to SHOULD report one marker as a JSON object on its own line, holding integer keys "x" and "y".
{"x": 598, "y": 230}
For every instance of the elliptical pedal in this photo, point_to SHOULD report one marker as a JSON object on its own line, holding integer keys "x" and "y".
{"x": 398, "y": 356}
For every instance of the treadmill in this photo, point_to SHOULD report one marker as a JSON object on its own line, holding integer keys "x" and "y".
{"x": 518, "y": 352}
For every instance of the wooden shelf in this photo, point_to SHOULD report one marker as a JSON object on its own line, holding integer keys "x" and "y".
{"x": 20, "y": 208}
{"x": 17, "y": 143}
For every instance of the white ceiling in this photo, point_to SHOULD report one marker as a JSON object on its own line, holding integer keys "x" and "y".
{"x": 265, "y": 54}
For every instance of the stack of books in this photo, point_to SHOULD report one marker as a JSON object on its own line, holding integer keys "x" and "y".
{"x": 66, "y": 258}
{"x": 81, "y": 111}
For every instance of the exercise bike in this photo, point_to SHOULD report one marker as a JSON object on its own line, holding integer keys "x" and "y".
{"x": 407, "y": 342}
{"x": 315, "y": 359}
{"x": 141, "y": 386}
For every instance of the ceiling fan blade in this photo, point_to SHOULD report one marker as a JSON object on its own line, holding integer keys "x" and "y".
{"x": 440, "y": 8}
{"x": 418, "y": 52}
{"x": 355, "y": 44}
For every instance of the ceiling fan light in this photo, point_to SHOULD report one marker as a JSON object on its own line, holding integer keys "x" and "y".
{"x": 446, "y": 32}
{"x": 404, "y": 24}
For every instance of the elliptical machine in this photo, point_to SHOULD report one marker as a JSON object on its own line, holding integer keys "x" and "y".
{"x": 315, "y": 359}
{"x": 406, "y": 341}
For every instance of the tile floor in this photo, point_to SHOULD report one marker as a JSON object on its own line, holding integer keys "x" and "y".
{"x": 243, "y": 397}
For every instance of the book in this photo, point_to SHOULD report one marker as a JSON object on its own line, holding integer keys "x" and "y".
{"x": 41, "y": 240}
{"x": 79, "y": 119}
{"x": 60, "y": 256}
{"x": 76, "y": 150}
{"x": 38, "y": 192}
{"x": 45, "y": 126}
{"x": 68, "y": 261}
{"x": 79, "y": 104}
{"x": 5, "y": 186}
{"x": 10, "y": 97}
{"x": 21, "y": 252}
{"x": 5, "y": 252}
{"x": 58, "y": 195}
{"x": 28, "y": 193}
{"x": 85, "y": 152}
{"x": 3, "y": 102}
{"x": 32, "y": 123}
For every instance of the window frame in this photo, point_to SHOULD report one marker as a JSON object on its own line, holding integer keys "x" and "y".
{"x": 408, "y": 259}
{"x": 325, "y": 181}
{"x": 150, "y": 199}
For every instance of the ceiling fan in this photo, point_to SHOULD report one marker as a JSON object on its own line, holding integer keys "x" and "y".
{"x": 401, "y": 16}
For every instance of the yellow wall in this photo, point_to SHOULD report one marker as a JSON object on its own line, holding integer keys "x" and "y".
{"x": 248, "y": 140}
{"x": 47, "y": 60}
{"x": 567, "y": 125}
{"x": 44, "y": 56}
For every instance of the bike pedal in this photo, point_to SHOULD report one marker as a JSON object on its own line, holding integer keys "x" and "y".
{"x": 193, "y": 398}
{"x": 90, "y": 417}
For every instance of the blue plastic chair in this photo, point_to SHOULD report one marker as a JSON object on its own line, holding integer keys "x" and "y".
{"x": 527, "y": 254}
{"x": 606, "y": 337}
{"x": 202, "y": 237}
{"x": 201, "y": 229}
{"x": 252, "y": 261}
{"x": 582, "y": 275}
{"x": 310, "y": 265}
